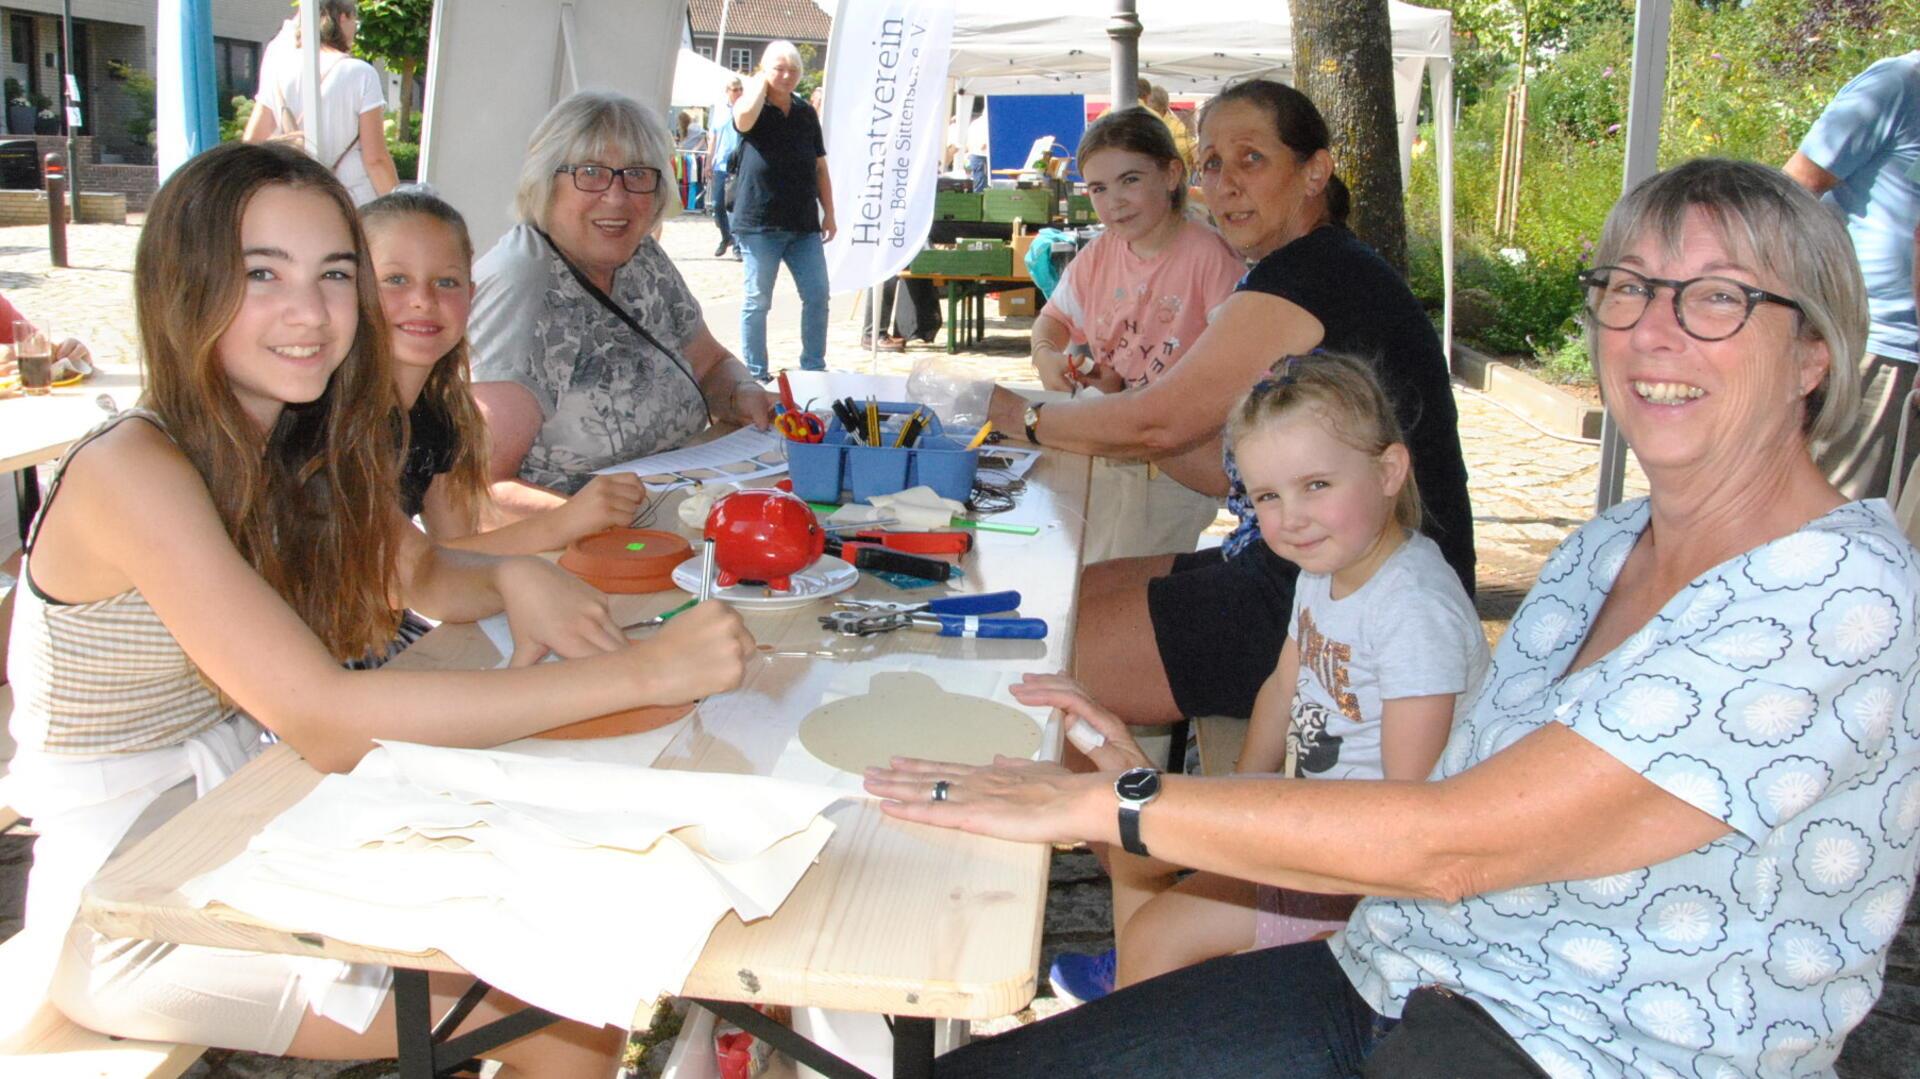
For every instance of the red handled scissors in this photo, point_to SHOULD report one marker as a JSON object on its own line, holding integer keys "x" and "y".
{"x": 793, "y": 423}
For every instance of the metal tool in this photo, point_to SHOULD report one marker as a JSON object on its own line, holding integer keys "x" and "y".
{"x": 971, "y": 603}
{"x": 662, "y": 618}
{"x": 865, "y": 624}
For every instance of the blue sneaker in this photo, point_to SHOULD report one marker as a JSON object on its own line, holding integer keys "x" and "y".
{"x": 1082, "y": 978}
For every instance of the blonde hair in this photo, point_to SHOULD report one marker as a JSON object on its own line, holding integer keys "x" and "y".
{"x": 1349, "y": 401}
{"x": 587, "y": 125}
{"x": 448, "y": 391}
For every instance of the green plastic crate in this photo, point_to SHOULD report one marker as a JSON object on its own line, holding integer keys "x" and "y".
{"x": 1080, "y": 210}
{"x": 1033, "y": 204}
{"x": 984, "y": 259}
{"x": 956, "y": 206}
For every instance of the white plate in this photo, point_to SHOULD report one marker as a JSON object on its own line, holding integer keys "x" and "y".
{"x": 829, "y": 576}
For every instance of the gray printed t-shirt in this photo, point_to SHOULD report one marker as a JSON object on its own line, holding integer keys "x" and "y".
{"x": 1409, "y": 631}
{"x": 606, "y": 395}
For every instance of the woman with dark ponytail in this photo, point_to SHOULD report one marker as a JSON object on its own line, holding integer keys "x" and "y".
{"x": 1196, "y": 634}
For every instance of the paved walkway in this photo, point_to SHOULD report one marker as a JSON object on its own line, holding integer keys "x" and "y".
{"x": 1529, "y": 490}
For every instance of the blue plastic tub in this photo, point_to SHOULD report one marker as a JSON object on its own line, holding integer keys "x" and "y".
{"x": 821, "y": 471}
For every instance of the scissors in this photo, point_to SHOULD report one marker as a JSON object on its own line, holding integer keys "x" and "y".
{"x": 793, "y": 423}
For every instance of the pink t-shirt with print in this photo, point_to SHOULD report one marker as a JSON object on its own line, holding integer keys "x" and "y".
{"x": 1140, "y": 315}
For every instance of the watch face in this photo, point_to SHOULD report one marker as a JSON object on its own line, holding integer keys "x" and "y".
{"x": 1137, "y": 784}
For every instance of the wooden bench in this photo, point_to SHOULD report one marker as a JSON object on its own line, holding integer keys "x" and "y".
{"x": 38, "y": 1042}
{"x": 1220, "y": 739}
{"x": 8, "y": 818}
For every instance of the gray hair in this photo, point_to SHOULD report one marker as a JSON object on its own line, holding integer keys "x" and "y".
{"x": 1767, "y": 221}
{"x": 783, "y": 48}
{"x": 594, "y": 125}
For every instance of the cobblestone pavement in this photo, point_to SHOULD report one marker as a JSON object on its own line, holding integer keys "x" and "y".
{"x": 1529, "y": 489}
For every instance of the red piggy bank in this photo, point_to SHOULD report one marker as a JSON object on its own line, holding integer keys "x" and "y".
{"x": 763, "y": 536}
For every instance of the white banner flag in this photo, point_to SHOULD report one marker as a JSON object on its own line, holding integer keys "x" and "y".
{"x": 885, "y": 120}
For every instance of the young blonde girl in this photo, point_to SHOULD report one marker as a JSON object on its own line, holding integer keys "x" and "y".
{"x": 423, "y": 265}
{"x": 201, "y": 567}
{"x": 1382, "y": 644}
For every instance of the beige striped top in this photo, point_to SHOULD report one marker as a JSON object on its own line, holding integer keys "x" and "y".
{"x": 100, "y": 677}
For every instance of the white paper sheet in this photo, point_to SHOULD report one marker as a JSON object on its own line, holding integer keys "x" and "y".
{"x": 508, "y": 863}
{"x": 746, "y": 454}
{"x": 1023, "y": 459}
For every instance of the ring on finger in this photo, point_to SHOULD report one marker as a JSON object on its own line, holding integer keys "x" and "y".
{"x": 940, "y": 789}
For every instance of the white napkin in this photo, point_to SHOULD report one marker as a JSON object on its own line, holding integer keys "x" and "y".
{"x": 581, "y": 887}
{"x": 918, "y": 508}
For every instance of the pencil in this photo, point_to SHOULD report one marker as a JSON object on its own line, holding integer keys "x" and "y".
{"x": 980, "y": 436}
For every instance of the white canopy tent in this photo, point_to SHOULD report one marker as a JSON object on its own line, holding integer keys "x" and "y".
{"x": 495, "y": 68}
{"x": 699, "y": 81}
{"x": 1007, "y": 47}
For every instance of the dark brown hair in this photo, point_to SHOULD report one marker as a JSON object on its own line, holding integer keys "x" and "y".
{"x": 1299, "y": 125}
{"x": 448, "y": 392}
{"x": 1135, "y": 130}
{"x": 310, "y": 503}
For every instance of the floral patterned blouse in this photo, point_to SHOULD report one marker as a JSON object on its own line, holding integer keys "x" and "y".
{"x": 1779, "y": 693}
{"x": 607, "y": 394}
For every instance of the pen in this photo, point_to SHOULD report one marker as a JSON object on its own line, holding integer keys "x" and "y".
{"x": 909, "y": 430}
{"x": 981, "y": 435}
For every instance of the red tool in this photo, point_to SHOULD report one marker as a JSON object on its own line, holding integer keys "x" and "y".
{"x": 917, "y": 542}
{"x": 794, "y": 423}
{"x": 763, "y": 536}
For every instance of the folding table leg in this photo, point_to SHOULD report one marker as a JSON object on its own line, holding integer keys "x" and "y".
{"x": 953, "y": 322}
{"x": 912, "y": 1047}
{"x": 413, "y": 1022}
{"x": 26, "y": 492}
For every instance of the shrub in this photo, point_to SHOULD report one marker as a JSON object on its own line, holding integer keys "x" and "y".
{"x": 406, "y": 159}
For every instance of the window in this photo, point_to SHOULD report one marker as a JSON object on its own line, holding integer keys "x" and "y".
{"x": 706, "y": 51}
{"x": 740, "y": 59}
{"x": 236, "y": 66}
{"x": 20, "y": 31}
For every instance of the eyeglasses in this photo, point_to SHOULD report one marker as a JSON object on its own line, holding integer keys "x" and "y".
{"x": 636, "y": 179}
{"x": 1707, "y": 308}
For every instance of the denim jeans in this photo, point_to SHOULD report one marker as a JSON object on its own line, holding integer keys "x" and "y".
{"x": 1282, "y": 1011}
{"x": 763, "y": 251}
{"x": 717, "y": 200}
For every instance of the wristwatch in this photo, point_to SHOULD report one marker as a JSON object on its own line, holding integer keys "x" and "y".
{"x": 1033, "y": 420}
{"x": 1135, "y": 788}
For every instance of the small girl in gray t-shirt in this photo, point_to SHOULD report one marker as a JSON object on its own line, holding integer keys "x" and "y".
{"x": 1383, "y": 646}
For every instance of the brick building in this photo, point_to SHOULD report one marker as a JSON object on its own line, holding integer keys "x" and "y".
{"x": 753, "y": 23}
{"x": 110, "y": 39}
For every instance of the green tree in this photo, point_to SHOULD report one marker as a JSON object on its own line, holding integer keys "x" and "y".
{"x": 395, "y": 32}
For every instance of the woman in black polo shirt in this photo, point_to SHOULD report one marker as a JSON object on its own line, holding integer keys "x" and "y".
{"x": 783, "y": 205}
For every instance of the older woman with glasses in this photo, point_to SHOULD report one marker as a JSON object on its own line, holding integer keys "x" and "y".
{"x": 1676, "y": 831}
{"x": 588, "y": 347}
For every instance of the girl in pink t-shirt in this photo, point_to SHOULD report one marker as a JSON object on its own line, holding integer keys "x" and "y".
{"x": 1141, "y": 292}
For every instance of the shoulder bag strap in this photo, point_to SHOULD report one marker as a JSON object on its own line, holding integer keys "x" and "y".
{"x": 632, "y": 323}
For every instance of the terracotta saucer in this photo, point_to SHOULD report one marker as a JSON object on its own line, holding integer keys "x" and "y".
{"x": 627, "y": 560}
{"x": 613, "y": 724}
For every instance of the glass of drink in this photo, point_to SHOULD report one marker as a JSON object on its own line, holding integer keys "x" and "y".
{"x": 33, "y": 349}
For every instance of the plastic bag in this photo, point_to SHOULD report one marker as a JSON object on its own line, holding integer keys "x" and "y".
{"x": 954, "y": 393}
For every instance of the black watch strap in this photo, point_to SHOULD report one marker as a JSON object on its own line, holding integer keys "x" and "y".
{"x": 1130, "y": 831}
{"x": 1033, "y": 410}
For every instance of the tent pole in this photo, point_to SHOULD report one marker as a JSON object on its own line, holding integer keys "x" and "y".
{"x": 1442, "y": 71}
{"x": 1124, "y": 29}
{"x": 1644, "y": 103}
{"x": 720, "y": 41}
{"x": 308, "y": 58}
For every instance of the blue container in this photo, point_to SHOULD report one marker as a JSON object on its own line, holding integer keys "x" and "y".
{"x": 821, "y": 471}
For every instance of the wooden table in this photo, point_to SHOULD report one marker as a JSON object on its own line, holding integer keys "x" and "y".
{"x": 37, "y": 430}
{"x": 967, "y": 302}
{"x": 901, "y": 919}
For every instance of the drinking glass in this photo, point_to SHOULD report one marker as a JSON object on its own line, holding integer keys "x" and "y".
{"x": 33, "y": 348}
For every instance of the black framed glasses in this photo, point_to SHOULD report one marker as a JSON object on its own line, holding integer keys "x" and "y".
{"x": 636, "y": 179}
{"x": 1707, "y": 308}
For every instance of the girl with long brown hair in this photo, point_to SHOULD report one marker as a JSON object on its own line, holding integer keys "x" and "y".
{"x": 202, "y": 565}
{"x": 423, "y": 265}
